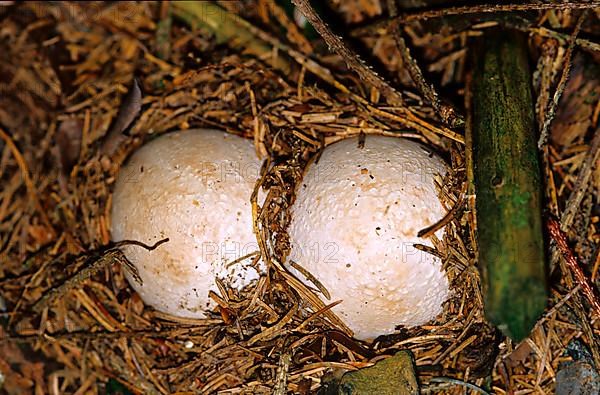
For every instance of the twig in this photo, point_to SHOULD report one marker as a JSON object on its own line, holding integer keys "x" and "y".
{"x": 410, "y": 120}
{"x": 562, "y": 83}
{"x": 78, "y": 278}
{"x": 493, "y": 8}
{"x": 447, "y": 113}
{"x": 557, "y": 306}
{"x": 315, "y": 302}
{"x": 111, "y": 256}
{"x": 561, "y": 241}
{"x": 282, "y": 374}
{"x": 450, "y": 215}
{"x": 293, "y": 31}
{"x": 596, "y": 265}
{"x": 561, "y": 37}
{"x": 352, "y": 59}
{"x": 514, "y": 22}
{"x": 406, "y": 18}
{"x": 271, "y": 331}
{"x": 581, "y": 185}
{"x": 154, "y": 246}
{"x": 311, "y": 278}
{"x": 455, "y": 345}
{"x": 316, "y": 314}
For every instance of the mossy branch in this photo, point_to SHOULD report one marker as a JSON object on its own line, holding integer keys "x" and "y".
{"x": 507, "y": 182}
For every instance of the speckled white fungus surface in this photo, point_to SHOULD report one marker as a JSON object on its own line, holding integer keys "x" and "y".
{"x": 354, "y": 222}
{"x": 193, "y": 187}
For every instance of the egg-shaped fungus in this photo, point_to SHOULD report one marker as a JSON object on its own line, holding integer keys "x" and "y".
{"x": 192, "y": 187}
{"x": 354, "y": 225}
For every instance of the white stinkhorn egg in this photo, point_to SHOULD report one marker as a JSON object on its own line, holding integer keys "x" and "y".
{"x": 354, "y": 225}
{"x": 193, "y": 187}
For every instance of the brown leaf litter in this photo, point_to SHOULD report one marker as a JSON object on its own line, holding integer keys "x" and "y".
{"x": 66, "y": 70}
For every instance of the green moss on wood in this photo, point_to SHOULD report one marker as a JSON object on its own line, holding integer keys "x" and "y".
{"x": 507, "y": 183}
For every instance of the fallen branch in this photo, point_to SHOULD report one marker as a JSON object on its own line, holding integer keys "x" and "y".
{"x": 507, "y": 181}
{"x": 561, "y": 241}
